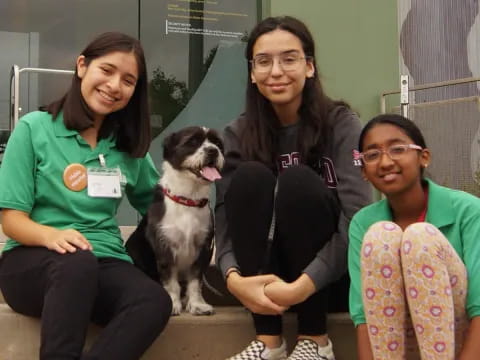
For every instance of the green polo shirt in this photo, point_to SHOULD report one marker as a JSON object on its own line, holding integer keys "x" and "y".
{"x": 455, "y": 213}
{"x": 31, "y": 180}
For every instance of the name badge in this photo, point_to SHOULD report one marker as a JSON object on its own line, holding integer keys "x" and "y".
{"x": 104, "y": 182}
{"x": 75, "y": 177}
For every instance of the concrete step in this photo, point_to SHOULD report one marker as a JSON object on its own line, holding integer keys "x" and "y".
{"x": 186, "y": 337}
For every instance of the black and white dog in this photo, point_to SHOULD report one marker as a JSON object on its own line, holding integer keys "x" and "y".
{"x": 173, "y": 243}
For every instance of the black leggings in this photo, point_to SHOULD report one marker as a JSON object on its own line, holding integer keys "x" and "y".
{"x": 69, "y": 290}
{"x": 306, "y": 217}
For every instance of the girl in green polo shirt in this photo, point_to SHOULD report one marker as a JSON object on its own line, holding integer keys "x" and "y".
{"x": 62, "y": 178}
{"x": 414, "y": 255}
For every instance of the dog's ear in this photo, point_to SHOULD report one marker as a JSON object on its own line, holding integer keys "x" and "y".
{"x": 214, "y": 136}
{"x": 169, "y": 144}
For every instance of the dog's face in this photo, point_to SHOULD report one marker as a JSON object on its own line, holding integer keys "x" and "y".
{"x": 196, "y": 150}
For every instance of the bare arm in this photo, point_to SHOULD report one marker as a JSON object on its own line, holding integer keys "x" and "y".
{"x": 18, "y": 226}
{"x": 249, "y": 290}
{"x": 363, "y": 343}
{"x": 471, "y": 345}
{"x": 288, "y": 294}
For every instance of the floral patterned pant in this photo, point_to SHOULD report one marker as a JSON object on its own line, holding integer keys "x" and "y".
{"x": 414, "y": 286}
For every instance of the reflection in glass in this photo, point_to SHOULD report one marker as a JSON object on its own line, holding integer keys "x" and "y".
{"x": 181, "y": 39}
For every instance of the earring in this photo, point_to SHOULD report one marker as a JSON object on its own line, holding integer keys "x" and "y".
{"x": 425, "y": 165}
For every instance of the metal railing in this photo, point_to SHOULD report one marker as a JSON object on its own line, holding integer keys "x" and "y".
{"x": 404, "y": 105}
{"x": 450, "y": 126}
{"x": 14, "y": 106}
{"x": 15, "y": 88}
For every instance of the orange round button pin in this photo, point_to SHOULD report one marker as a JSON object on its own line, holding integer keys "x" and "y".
{"x": 75, "y": 177}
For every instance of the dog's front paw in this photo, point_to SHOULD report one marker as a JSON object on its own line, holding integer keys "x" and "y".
{"x": 199, "y": 308}
{"x": 176, "y": 307}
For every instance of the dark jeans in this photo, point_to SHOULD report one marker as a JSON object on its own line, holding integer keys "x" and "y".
{"x": 68, "y": 291}
{"x": 306, "y": 217}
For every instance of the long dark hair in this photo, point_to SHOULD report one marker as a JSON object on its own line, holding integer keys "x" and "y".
{"x": 129, "y": 126}
{"x": 259, "y": 132}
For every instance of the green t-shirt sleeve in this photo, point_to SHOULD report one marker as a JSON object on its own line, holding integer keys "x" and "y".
{"x": 470, "y": 232}
{"x": 140, "y": 194}
{"x": 355, "y": 238}
{"x": 17, "y": 171}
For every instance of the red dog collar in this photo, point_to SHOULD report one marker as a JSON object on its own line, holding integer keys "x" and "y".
{"x": 185, "y": 201}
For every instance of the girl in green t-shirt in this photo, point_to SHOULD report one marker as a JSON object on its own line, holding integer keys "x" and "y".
{"x": 409, "y": 253}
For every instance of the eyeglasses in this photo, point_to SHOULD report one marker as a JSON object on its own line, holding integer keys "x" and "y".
{"x": 394, "y": 152}
{"x": 288, "y": 61}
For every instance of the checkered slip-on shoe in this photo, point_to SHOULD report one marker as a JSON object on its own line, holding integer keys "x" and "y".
{"x": 257, "y": 350}
{"x": 309, "y": 350}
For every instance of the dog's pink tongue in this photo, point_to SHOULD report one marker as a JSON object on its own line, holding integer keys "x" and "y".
{"x": 210, "y": 173}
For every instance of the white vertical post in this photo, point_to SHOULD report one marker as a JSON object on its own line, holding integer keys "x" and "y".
{"x": 404, "y": 95}
{"x": 14, "y": 95}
